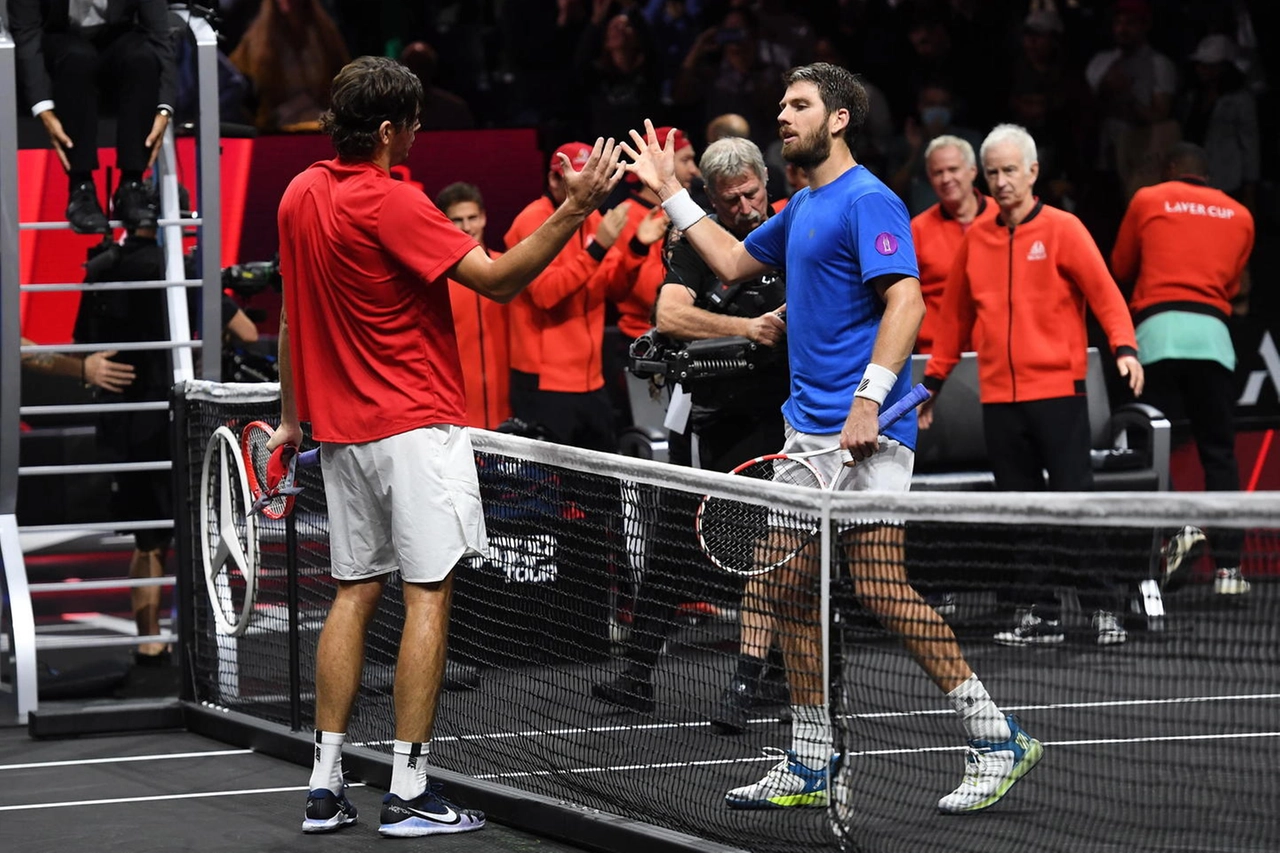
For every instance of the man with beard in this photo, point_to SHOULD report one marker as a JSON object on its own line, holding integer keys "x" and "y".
{"x": 854, "y": 307}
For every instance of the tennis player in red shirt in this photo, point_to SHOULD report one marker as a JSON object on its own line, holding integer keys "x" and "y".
{"x": 369, "y": 356}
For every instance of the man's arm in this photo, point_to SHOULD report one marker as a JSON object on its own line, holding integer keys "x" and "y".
{"x": 654, "y": 165}
{"x": 680, "y": 318}
{"x": 903, "y": 312}
{"x": 94, "y": 369}
{"x": 502, "y": 278}
{"x": 289, "y": 431}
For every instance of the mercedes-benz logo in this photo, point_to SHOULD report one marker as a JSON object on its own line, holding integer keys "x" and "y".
{"x": 230, "y": 536}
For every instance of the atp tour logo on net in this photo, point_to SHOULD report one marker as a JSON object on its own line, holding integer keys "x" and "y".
{"x": 526, "y": 559}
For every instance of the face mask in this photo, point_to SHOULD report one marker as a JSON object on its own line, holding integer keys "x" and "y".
{"x": 936, "y": 116}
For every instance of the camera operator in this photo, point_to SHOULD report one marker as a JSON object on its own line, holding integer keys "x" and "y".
{"x": 733, "y": 419}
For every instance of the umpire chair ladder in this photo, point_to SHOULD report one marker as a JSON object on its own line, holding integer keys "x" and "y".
{"x": 18, "y": 695}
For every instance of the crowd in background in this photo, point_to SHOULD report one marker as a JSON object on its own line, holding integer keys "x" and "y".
{"x": 1103, "y": 86}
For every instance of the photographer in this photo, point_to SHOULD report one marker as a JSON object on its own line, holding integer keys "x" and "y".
{"x": 733, "y": 419}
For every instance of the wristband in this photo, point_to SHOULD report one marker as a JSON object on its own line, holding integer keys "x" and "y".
{"x": 683, "y": 210}
{"x": 876, "y": 383}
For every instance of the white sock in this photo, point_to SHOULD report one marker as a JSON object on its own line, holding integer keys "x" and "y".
{"x": 811, "y": 735}
{"x": 409, "y": 769}
{"x": 326, "y": 772}
{"x": 981, "y": 718}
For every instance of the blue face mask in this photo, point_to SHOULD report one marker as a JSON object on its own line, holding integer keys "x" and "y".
{"x": 936, "y": 116}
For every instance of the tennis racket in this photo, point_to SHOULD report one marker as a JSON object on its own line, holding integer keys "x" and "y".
{"x": 747, "y": 539}
{"x": 272, "y": 475}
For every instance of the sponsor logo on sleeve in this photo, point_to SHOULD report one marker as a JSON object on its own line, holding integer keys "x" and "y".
{"x": 886, "y": 243}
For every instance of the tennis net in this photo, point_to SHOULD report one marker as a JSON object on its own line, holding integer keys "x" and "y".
{"x": 1169, "y": 739}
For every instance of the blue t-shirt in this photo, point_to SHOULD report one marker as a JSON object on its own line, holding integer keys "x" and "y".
{"x": 831, "y": 242}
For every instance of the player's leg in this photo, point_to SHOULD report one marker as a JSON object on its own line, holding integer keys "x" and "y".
{"x": 147, "y": 561}
{"x": 1018, "y": 467}
{"x": 799, "y": 778}
{"x": 430, "y": 477}
{"x": 1215, "y": 436}
{"x": 361, "y": 556}
{"x": 1000, "y": 753}
{"x": 725, "y": 442}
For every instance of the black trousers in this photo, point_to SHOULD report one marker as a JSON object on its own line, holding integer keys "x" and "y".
{"x": 112, "y": 64}
{"x": 677, "y": 571}
{"x": 1198, "y": 398}
{"x": 1025, "y": 440}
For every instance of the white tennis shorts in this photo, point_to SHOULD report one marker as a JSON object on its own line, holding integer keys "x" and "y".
{"x": 410, "y": 502}
{"x": 888, "y": 470}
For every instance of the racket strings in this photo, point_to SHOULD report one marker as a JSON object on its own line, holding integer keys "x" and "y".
{"x": 259, "y": 456}
{"x": 750, "y": 539}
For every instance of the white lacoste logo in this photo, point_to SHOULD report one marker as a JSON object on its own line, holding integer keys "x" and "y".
{"x": 1037, "y": 252}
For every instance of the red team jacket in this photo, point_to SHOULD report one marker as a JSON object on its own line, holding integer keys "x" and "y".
{"x": 1022, "y": 292}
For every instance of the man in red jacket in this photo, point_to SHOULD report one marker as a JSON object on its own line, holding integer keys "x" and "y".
{"x": 481, "y": 324}
{"x": 1185, "y": 246}
{"x": 557, "y": 323}
{"x": 1019, "y": 285}
{"x": 951, "y": 167}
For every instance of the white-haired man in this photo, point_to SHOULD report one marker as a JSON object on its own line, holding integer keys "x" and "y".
{"x": 1018, "y": 287}
{"x": 952, "y": 169}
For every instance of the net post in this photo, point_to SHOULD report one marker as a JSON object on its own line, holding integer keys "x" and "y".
{"x": 295, "y": 653}
{"x": 188, "y": 586}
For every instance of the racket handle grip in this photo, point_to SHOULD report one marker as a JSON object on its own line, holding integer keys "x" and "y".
{"x": 913, "y": 398}
{"x": 309, "y": 458}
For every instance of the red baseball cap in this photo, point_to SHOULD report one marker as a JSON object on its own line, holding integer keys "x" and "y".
{"x": 577, "y": 152}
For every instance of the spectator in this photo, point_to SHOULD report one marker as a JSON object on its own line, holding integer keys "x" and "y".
{"x": 441, "y": 110}
{"x": 1184, "y": 247}
{"x": 732, "y": 69}
{"x": 69, "y": 54}
{"x": 291, "y": 52}
{"x": 1134, "y": 87}
{"x": 934, "y": 116}
{"x": 727, "y": 125}
{"x": 482, "y": 325}
{"x": 1019, "y": 285}
{"x": 618, "y": 69}
{"x": 938, "y": 231}
{"x": 557, "y": 322}
{"x": 1220, "y": 114}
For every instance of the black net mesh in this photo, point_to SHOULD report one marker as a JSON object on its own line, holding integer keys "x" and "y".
{"x": 592, "y": 652}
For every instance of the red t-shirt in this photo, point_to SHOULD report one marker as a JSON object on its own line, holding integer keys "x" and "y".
{"x": 364, "y": 259}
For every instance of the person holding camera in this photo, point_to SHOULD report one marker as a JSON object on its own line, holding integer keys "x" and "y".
{"x": 731, "y": 420}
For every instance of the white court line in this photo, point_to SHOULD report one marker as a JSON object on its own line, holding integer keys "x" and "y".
{"x": 160, "y": 797}
{"x": 878, "y": 715}
{"x": 865, "y": 753}
{"x": 125, "y": 758}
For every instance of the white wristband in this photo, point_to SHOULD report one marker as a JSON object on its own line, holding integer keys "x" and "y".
{"x": 876, "y": 383}
{"x": 683, "y": 210}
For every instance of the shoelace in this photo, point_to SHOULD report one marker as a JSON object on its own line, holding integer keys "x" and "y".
{"x": 974, "y": 764}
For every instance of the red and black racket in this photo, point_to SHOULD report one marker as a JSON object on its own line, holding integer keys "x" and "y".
{"x": 272, "y": 474}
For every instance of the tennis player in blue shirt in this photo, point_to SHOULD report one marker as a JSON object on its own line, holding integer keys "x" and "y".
{"x": 853, "y": 310}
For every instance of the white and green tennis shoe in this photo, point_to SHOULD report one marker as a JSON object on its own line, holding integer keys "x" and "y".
{"x": 789, "y": 784}
{"x": 991, "y": 769}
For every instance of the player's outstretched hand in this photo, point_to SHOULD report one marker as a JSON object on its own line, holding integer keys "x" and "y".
{"x": 653, "y": 164}
{"x": 600, "y": 174}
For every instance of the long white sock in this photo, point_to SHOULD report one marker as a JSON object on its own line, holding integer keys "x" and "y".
{"x": 811, "y": 735}
{"x": 982, "y": 719}
{"x": 326, "y": 771}
{"x": 409, "y": 769}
